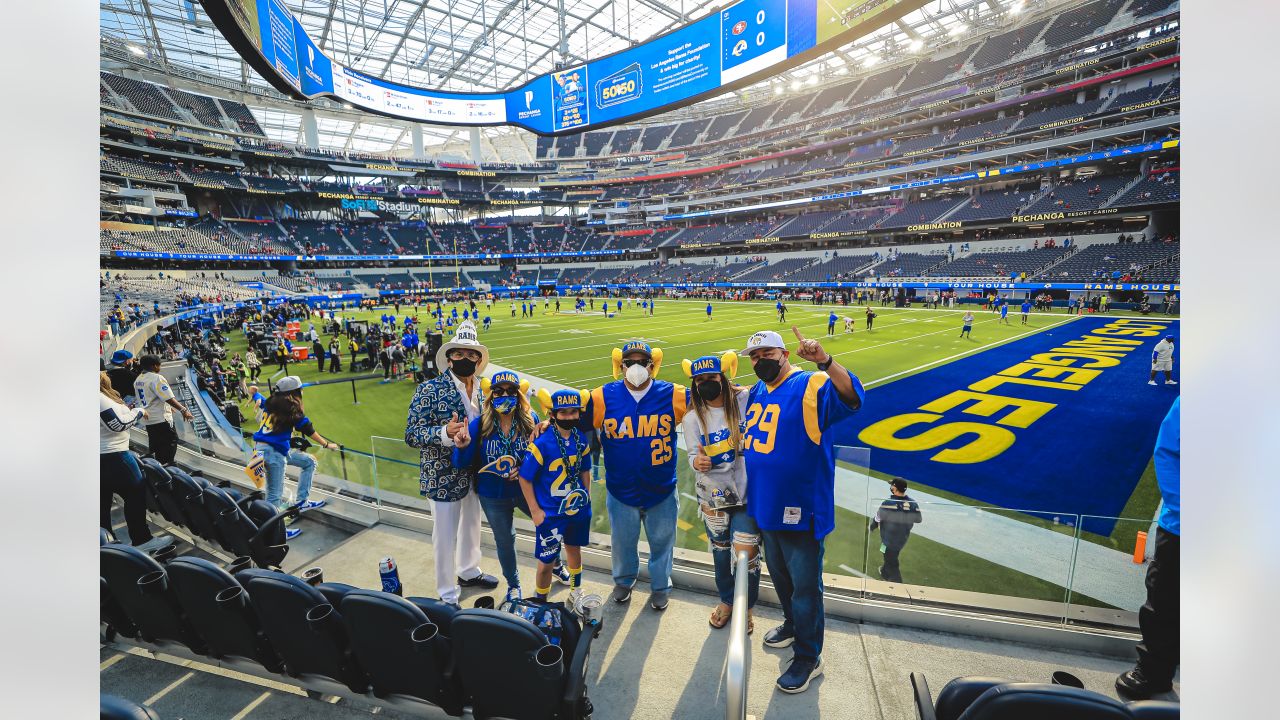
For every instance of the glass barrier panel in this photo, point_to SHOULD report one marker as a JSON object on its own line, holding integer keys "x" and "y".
{"x": 397, "y": 468}
{"x": 847, "y": 554}
{"x": 1008, "y": 562}
{"x": 1107, "y": 585}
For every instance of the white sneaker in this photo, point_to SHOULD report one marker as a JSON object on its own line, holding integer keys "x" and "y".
{"x": 1151, "y": 382}
{"x": 575, "y": 596}
{"x": 1170, "y": 382}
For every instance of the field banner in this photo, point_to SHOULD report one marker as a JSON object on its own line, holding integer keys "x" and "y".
{"x": 1060, "y": 421}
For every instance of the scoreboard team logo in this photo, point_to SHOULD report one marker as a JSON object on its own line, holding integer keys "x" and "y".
{"x": 754, "y": 36}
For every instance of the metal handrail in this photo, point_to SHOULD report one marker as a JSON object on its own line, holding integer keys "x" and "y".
{"x": 736, "y": 664}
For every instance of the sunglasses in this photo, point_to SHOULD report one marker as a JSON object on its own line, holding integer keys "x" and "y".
{"x": 629, "y": 363}
{"x": 505, "y": 392}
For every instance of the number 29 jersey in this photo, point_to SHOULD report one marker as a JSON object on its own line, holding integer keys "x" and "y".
{"x": 790, "y": 456}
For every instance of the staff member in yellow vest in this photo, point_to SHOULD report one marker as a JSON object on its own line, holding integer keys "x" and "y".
{"x": 790, "y": 456}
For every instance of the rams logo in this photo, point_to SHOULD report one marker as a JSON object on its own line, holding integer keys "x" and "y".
{"x": 574, "y": 502}
{"x": 502, "y": 467}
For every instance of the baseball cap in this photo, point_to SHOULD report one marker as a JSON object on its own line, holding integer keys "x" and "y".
{"x": 506, "y": 376}
{"x": 764, "y": 339}
{"x": 120, "y": 357}
{"x": 289, "y": 383}
{"x": 1169, "y": 338}
{"x": 566, "y": 400}
{"x": 705, "y": 365}
{"x": 637, "y": 346}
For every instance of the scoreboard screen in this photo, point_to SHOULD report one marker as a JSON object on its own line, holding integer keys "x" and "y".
{"x": 740, "y": 44}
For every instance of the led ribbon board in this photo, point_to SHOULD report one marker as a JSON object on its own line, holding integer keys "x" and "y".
{"x": 738, "y": 45}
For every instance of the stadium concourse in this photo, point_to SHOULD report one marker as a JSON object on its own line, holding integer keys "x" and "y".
{"x": 973, "y": 208}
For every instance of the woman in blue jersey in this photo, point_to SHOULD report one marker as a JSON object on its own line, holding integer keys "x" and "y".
{"x": 283, "y": 414}
{"x": 713, "y": 431}
{"x": 495, "y": 444}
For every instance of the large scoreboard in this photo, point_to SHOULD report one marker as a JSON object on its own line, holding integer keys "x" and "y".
{"x": 742, "y": 43}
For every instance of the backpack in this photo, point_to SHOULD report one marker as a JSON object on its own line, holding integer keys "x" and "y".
{"x": 550, "y": 618}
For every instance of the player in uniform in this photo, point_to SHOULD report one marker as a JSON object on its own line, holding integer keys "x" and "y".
{"x": 790, "y": 457}
{"x": 1004, "y": 310}
{"x": 637, "y": 417}
{"x": 553, "y": 478}
{"x": 831, "y": 324}
{"x": 967, "y": 329}
{"x": 848, "y": 324}
{"x": 1162, "y": 361}
{"x": 1026, "y": 310}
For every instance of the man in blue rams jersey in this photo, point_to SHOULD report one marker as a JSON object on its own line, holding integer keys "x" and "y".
{"x": 790, "y": 458}
{"x": 636, "y": 417}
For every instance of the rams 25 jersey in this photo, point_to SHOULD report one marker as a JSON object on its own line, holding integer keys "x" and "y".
{"x": 638, "y": 439}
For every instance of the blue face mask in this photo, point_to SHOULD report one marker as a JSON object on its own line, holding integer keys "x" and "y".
{"x": 505, "y": 405}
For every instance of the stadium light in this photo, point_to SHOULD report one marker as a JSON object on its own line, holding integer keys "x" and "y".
{"x": 916, "y": 44}
{"x": 1016, "y": 7}
{"x": 778, "y": 89}
{"x": 871, "y": 60}
{"x": 957, "y": 29}
{"x": 812, "y": 79}
{"x": 795, "y": 85}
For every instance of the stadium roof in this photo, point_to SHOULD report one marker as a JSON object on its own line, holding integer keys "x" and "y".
{"x": 474, "y": 45}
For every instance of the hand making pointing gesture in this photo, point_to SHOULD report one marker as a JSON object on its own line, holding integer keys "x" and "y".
{"x": 810, "y": 350}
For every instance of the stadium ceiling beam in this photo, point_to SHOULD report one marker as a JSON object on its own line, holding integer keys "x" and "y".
{"x": 670, "y": 12}
{"x": 481, "y": 40}
{"x": 391, "y": 57}
{"x": 155, "y": 32}
{"x": 581, "y": 24}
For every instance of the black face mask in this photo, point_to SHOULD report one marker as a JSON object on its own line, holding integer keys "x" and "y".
{"x": 767, "y": 369}
{"x": 566, "y": 424}
{"x": 463, "y": 367}
{"x": 709, "y": 390}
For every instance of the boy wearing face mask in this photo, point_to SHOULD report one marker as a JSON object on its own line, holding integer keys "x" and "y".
{"x": 790, "y": 457}
{"x": 438, "y": 416}
{"x": 636, "y": 417}
{"x": 554, "y": 478}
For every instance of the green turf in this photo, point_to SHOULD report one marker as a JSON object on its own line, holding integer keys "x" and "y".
{"x": 574, "y": 350}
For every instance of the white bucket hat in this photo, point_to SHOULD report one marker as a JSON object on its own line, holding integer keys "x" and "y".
{"x": 465, "y": 338}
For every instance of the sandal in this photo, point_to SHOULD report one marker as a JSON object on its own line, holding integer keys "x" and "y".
{"x": 720, "y": 616}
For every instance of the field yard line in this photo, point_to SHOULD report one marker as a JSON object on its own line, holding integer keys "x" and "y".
{"x": 666, "y": 347}
{"x": 966, "y": 352}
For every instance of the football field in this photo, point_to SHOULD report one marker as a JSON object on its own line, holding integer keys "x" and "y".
{"x": 954, "y": 551}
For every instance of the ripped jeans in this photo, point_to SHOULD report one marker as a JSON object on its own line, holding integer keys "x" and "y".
{"x": 733, "y": 527}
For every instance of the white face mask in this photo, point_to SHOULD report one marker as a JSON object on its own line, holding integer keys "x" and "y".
{"x": 637, "y": 375}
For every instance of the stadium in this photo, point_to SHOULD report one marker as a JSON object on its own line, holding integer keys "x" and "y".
{"x": 972, "y": 206}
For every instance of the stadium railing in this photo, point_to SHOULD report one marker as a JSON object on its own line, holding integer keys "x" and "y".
{"x": 738, "y": 658}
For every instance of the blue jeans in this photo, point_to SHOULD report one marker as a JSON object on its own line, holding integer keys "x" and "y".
{"x": 500, "y": 512}
{"x": 742, "y": 529}
{"x": 275, "y": 473}
{"x": 795, "y": 566}
{"x": 659, "y": 526}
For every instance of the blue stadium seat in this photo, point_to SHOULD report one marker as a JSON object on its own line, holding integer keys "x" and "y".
{"x": 111, "y": 707}
{"x": 986, "y": 698}
{"x": 218, "y": 608}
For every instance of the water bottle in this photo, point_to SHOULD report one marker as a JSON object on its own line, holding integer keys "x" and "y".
{"x": 390, "y": 576}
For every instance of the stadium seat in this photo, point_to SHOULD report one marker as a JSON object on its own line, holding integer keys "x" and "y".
{"x": 986, "y": 698}
{"x": 140, "y": 587}
{"x": 249, "y": 527}
{"x": 403, "y": 652}
{"x": 305, "y": 629}
{"x": 168, "y": 500}
{"x": 190, "y": 492}
{"x": 111, "y": 707}
{"x": 219, "y": 611}
{"x": 113, "y": 615}
{"x": 502, "y": 685}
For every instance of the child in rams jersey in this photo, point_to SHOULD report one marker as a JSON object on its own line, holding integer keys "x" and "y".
{"x": 553, "y": 477}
